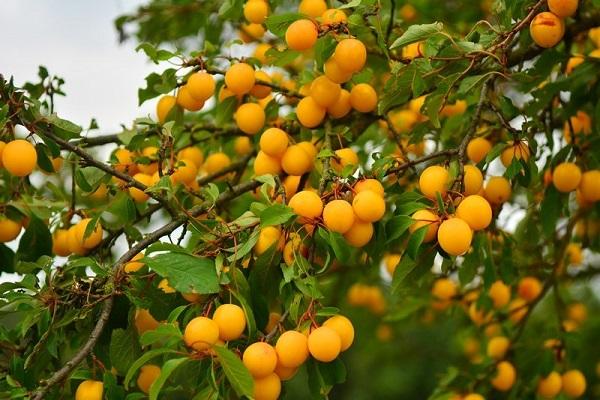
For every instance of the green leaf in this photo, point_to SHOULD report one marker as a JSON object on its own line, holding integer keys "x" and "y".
{"x": 185, "y": 272}
{"x": 396, "y": 226}
{"x": 550, "y": 210}
{"x": 350, "y": 4}
{"x": 415, "y": 240}
{"x": 166, "y": 371}
{"x": 65, "y": 129}
{"x": 415, "y": 33}
{"x": 231, "y": 9}
{"x": 35, "y": 242}
{"x": 224, "y": 110}
{"x": 162, "y": 333}
{"x": 124, "y": 349}
{"x": 144, "y": 358}
{"x": 276, "y": 214}
{"x": 278, "y": 23}
{"x": 237, "y": 374}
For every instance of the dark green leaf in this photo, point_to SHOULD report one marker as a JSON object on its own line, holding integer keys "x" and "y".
{"x": 185, "y": 272}
{"x": 237, "y": 374}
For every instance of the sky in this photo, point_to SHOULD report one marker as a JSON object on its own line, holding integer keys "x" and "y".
{"x": 76, "y": 40}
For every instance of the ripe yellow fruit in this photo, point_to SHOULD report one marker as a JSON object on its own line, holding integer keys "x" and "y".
{"x": 267, "y": 388}
{"x": 341, "y": 107}
{"x": 573, "y": 383}
{"x": 363, "y": 98}
{"x": 19, "y": 157}
{"x": 566, "y": 177}
{"x": 590, "y": 185}
{"x": 529, "y": 288}
{"x": 290, "y": 184}
{"x": 359, "y": 234}
{"x": 186, "y": 101}
{"x": 148, "y": 374}
{"x": 577, "y": 312}
{"x": 412, "y": 51}
{"x": 201, "y": 85}
{"x": 60, "y": 241}
{"x": 444, "y": 289}
{"x": 306, "y": 204}
{"x": 335, "y": 73}
{"x": 296, "y": 161}
{"x": 458, "y": 108}
{"x": 324, "y": 92}
{"x": 497, "y": 347}
{"x": 473, "y": 396}
{"x": 333, "y": 16}
{"x": 350, "y": 55}
{"x": 89, "y": 390}
{"x": 292, "y": 349}
{"x": 563, "y": 8}
{"x": 260, "y": 52}
{"x": 201, "y": 333}
{"x": 150, "y": 152}
{"x": 550, "y": 386}
{"x": 500, "y": 294}
{"x": 144, "y": 321}
{"x": 266, "y": 164}
{"x": 240, "y": 79}
{"x": 193, "y": 154}
{"x": 134, "y": 265}
{"x": 324, "y": 344}
{"x": 391, "y": 262}
{"x": 369, "y": 184}
{"x": 260, "y": 358}
{"x": 268, "y": 236}
{"x": 125, "y": 161}
{"x": 74, "y": 241}
{"x": 261, "y": 91}
{"x": 136, "y": 194}
{"x": 338, "y": 216}
{"x": 93, "y": 239}
{"x": 473, "y": 180}
{"x": 251, "y": 32}
{"x": 344, "y": 328}
{"x": 546, "y": 29}
{"x": 434, "y": 179}
{"x": 517, "y": 309}
{"x": 425, "y": 218}
{"x": 242, "y": 145}
{"x": 312, "y": 8}
{"x": 573, "y": 63}
{"x": 505, "y": 376}
{"x": 455, "y": 236}
{"x": 274, "y": 142}
{"x": 519, "y": 150}
{"x": 346, "y": 157}
{"x": 250, "y": 117}
{"x": 285, "y": 373}
{"x": 185, "y": 172}
{"x": 2, "y": 146}
{"x": 475, "y": 211}
{"x": 478, "y": 148}
{"x": 309, "y": 112}
{"x": 497, "y": 190}
{"x": 216, "y": 162}
{"x": 256, "y": 11}
{"x": 164, "y": 106}
{"x": 581, "y": 123}
{"x": 231, "y": 320}
{"x": 301, "y": 35}
{"x": 368, "y": 206}
{"x": 9, "y": 229}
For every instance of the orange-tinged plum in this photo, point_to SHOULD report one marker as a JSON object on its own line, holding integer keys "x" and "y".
{"x": 256, "y": 11}
{"x": 266, "y": 164}
{"x": 292, "y": 349}
{"x": 434, "y": 179}
{"x": 344, "y": 328}
{"x": 505, "y": 376}
{"x": 324, "y": 344}
{"x": 500, "y": 294}
{"x": 473, "y": 180}
{"x": 341, "y": 107}
{"x": 338, "y": 216}
{"x": 454, "y": 236}
{"x": 497, "y": 190}
{"x": 589, "y": 186}
{"x": 497, "y": 347}
{"x": 335, "y": 73}
{"x": 296, "y": 161}
{"x": 201, "y": 333}
{"x": 19, "y": 157}
{"x": 573, "y": 383}
{"x": 309, "y": 112}
{"x": 563, "y": 8}
{"x": 260, "y": 358}
{"x": 546, "y": 29}
{"x": 425, "y": 218}
{"x": 363, "y": 98}
{"x": 89, "y": 390}
{"x": 359, "y": 234}
{"x": 350, "y": 55}
{"x": 478, "y": 148}
{"x": 549, "y": 386}
{"x": 307, "y": 204}
{"x": 312, "y": 8}
{"x": 240, "y": 78}
{"x": 216, "y": 162}
{"x": 368, "y": 206}
{"x": 301, "y": 35}
{"x": 267, "y": 388}
{"x": 324, "y": 92}
{"x": 529, "y": 288}
{"x": 444, "y": 289}
{"x": 231, "y": 321}
{"x": 148, "y": 374}
{"x": 201, "y": 85}
{"x": 9, "y": 229}
{"x": 475, "y": 211}
{"x": 566, "y": 177}
{"x": 186, "y": 101}
{"x": 250, "y": 118}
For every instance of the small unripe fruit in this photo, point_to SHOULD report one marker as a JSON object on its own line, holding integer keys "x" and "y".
{"x": 309, "y": 112}
{"x": 546, "y": 29}
{"x": 148, "y": 374}
{"x": 363, "y": 98}
{"x": 444, "y": 289}
{"x": 425, "y": 218}
{"x": 19, "y": 157}
{"x": 292, "y": 349}
{"x": 307, "y": 204}
{"x": 324, "y": 92}
{"x": 529, "y": 288}
{"x": 201, "y": 333}
{"x": 505, "y": 376}
{"x": 301, "y": 35}
{"x": 500, "y": 294}
{"x": 475, "y": 211}
{"x": 231, "y": 321}
{"x": 478, "y": 148}
{"x": 549, "y": 387}
{"x": 338, "y": 216}
{"x": 497, "y": 190}
{"x": 497, "y": 347}
{"x": 350, "y": 55}
{"x": 359, "y": 234}
{"x": 260, "y": 358}
{"x": 341, "y": 107}
{"x": 201, "y": 85}
{"x": 434, "y": 179}
{"x": 296, "y": 161}
{"x": 267, "y": 388}
{"x": 573, "y": 383}
{"x": 89, "y": 390}
{"x": 563, "y": 8}
{"x": 368, "y": 206}
{"x": 324, "y": 344}
{"x": 454, "y": 236}
{"x": 240, "y": 79}
{"x": 344, "y": 328}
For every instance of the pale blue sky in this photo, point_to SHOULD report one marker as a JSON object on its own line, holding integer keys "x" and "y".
{"x": 76, "y": 40}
